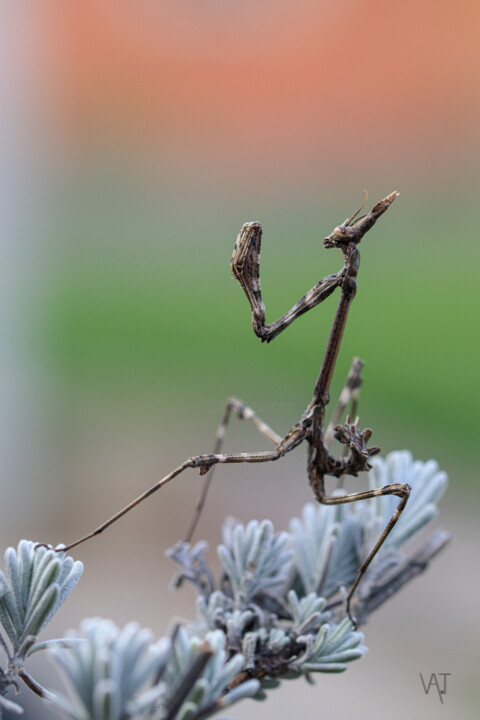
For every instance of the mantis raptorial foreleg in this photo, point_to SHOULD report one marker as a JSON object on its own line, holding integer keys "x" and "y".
{"x": 245, "y": 266}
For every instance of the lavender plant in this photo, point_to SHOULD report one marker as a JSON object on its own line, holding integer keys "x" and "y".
{"x": 280, "y": 599}
{"x": 276, "y": 612}
{"x": 117, "y": 674}
{"x": 35, "y": 585}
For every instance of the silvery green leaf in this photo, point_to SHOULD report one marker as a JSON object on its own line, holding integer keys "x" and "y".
{"x": 195, "y": 566}
{"x": 240, "y": 545}
{"x": 37, "y": 583}
{"x": 223, "y": 674}
{"x": 246, "y": 689}
{"x": 36, "y": 618}
{"x": 54, "y": 643}
{"x": 188, "y": 710}
{"x": 42, "y": 583}
{"x": 111, "y": 671}
{"x": 143, "y": 703}
{"x": 214, "y": 612}
{"x": 257, "y": 561}
{"x": 238, "y": 621}
{"x": 68, "y": 582}
{"x": 277, "y": 640}
{"x": 332, "y": 648}
{"x": 26, "y": 647}
{"x": 270, "y": 683}
{"x": 231, "y": 571}
{"x": 9, "y": 615}
{"x": 13, "y": 577}
{"x": 346, "y": 556}
{"x": 26, "y": 570}
{"x": 106, "y": 701}
{"x": 210, "y": 690}
{"x": 39, "y": 559}
{"x": 428, "y": 485}
{"x": 9, "y": 705}
{"x": 307, "y": 612}
{"x": 155, "y": 664}
{"x": 331, "y": 542}
{"x": 313, "y": 540}
{"x": 199, "y": 692}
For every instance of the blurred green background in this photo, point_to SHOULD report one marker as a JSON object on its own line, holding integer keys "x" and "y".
{"x": 136, "y": 140}
{"x": 135, "y": 320}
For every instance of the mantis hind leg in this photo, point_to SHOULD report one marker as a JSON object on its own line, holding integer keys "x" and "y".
{"x": 400, "y": 490}
{"x": 243, "y": 412}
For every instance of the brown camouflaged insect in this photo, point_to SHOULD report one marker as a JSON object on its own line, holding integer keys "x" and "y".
{"x": 311, "y": 427}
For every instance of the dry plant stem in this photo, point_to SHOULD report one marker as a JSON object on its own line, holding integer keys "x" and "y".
{"x": 246, "y": 269}
{"x": 197, "y": 667}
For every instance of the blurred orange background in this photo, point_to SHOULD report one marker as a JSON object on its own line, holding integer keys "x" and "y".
{"x": 266, "y": 81}
{"x": 136, "y": 139}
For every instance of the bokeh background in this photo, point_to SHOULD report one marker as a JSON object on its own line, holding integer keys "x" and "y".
{"x": 136, "y": 138}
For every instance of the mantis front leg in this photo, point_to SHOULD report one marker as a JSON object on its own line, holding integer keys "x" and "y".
{"x": 245, "y": 265}
{"x": 246, "y": 269}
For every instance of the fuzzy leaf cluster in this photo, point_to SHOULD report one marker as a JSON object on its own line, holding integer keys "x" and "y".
{"x": 279, "y": 634}
{"x": 280, "y": 597}
{"x": 276, "y": 611}
{"x": 116, "y": 674}
{"x": 36, "y": 583}
{"x": 256, "y": 560}
{"x": 332, "y": 542}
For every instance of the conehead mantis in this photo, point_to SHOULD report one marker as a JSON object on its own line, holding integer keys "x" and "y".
{"x": 311, "y": 428}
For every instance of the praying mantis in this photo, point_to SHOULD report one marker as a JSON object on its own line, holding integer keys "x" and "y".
{"x": 311, "y": 428}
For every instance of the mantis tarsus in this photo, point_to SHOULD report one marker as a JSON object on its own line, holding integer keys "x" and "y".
{"x": 310, "y": 428}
